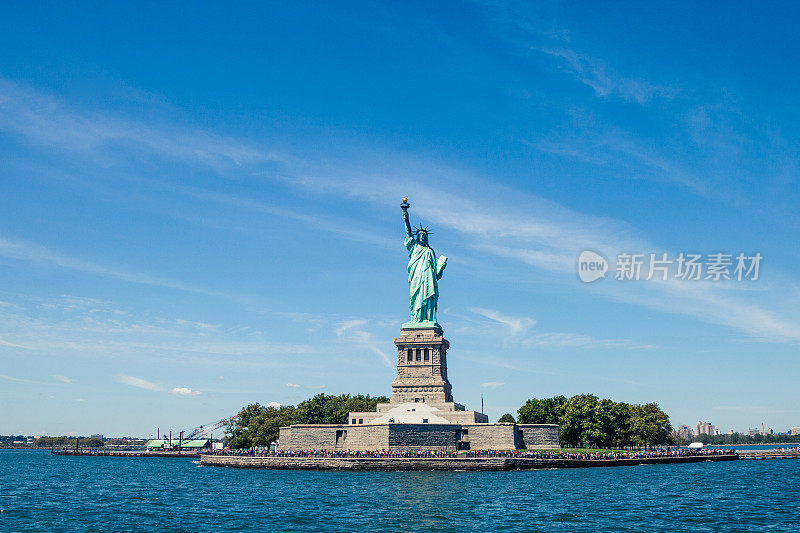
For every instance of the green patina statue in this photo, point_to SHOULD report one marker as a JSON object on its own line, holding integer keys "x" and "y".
{"x": 424, "y": 271}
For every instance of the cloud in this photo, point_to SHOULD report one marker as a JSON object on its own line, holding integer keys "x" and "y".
{"x": 276, "y": 405}
{"x": 346, "y": 325}
{"x": 492, "y": 384}
{"x": 350, "y": 331}
{"x": 138, "y": 383}
{"x": 12, "y": 378}
{"x": 40, "y": 255}
{"x": 63, "y": 379}
{"x": 293, "y": 385}
{"x": 625, "y": 154}
{"x": 516, "y": 325}
{"x": 519, "y": 333}
{"x": 329, "y": 224}
{"x": 10, "y": 344}
{"x": 596, "y": 74}
{"x": 50, "y": 123}
{"x": 71, "y": 324}
{"x": 183, "y": 391}
{"x": 573, "y": 340}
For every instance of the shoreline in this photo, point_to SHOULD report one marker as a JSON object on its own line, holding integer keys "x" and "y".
{"x": 439, "y": 463}
{"x": 126, "y": 453}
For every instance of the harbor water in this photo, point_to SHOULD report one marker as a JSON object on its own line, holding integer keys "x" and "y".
{"x": 41, "y": 492}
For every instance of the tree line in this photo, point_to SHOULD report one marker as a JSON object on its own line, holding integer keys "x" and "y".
{"x": 258, "y": 425}
{"x": 69, "y": 441}
{"x": 741, "y": 438}
{"x": 586, "y": 420}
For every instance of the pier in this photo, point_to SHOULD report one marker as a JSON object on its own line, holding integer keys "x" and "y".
{"x": 124, "y": 453}
{"x": 793, "y": 453}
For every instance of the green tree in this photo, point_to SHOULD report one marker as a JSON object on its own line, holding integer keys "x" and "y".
{"x": 622, "y": 425}
{"x": 609, "y": 424}
{"x": 325, "y": 409}
{"x": 650, "y": 426}
{"x": 265, "y": 428}
{"x": 506, "y": 418}
{"x": 238, "y": 428}
{"x": 577, "y": 424}
{"x": 544, "y": 411}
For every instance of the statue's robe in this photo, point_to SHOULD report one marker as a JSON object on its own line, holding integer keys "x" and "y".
{"x": 423, "y": 272}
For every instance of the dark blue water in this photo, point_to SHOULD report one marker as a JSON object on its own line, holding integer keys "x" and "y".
{"x": 40, "y": 492}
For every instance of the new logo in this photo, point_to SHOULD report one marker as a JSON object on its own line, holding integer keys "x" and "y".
{"x": 591, "y": 266}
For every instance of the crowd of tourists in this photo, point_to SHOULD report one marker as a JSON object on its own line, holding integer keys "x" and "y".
{"x": 525, "y": 454}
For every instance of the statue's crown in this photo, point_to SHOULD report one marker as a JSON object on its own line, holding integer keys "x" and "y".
{"x": 423, "y": 229}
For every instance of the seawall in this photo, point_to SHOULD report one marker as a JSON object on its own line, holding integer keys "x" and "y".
{"x": 438, "y": 463}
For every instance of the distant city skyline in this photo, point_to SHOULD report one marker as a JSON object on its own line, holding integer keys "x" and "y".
{"x": 192, "y": 195}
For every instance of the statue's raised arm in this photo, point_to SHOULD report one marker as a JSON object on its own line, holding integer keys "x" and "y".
{"x": 404, "y": 206}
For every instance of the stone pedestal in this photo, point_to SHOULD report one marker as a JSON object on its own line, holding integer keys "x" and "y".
{"x": 421, "y": 367}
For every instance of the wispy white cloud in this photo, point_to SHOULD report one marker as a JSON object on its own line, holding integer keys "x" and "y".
{"x": 10, "y": 344}
{"x": 516, "y": 325}
{"x": 624, "y": 154}
{"x": 139, "y": 383}
{"x": 350, "y": 331}
{"x": 49, "y": 122}
{"x": 492, "y": 384}
{"x": 528, "y": 26}
{"x": 520, "y": 332}
{"x": 14, "y": 379}
{"x": 605, "y": 82}
{"x": 347, "y": 325}
{"x": 64, "y": 379}
{"x": 293, "y": 385}
{"x": 329, "y": 224}
{"x": 72, "y": 324}
{"x": 184, "y": 391}
{"x": 37, "y": 255}
{"x": 572, "y": 340}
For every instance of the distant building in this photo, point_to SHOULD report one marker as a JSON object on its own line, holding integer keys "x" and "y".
{"x": 795, "y": 431}
{"x": 753, "y": 432}
{"x": 684, "y": 432}
{"x": 97, "y": 436}
{"x": 706, "y": 428}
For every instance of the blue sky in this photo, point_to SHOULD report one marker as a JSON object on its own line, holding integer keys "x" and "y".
{"x": 199, "y": 205}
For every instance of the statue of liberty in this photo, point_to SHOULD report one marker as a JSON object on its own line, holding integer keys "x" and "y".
{"x": 424, "y": 271}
